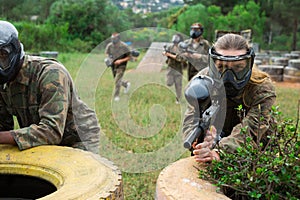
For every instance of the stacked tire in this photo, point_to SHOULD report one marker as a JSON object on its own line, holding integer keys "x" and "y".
{"x": 275, "y": 71}
{"x": 292, "y": 71}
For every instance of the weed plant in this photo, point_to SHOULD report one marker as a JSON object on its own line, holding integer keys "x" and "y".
{"x": 257, "y": 171}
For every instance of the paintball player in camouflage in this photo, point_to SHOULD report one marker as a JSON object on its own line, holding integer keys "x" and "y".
{"x": 231, "y": 63}
{"x": 40, "y": 93}
{"x": 175, "y": 67}
{"x": 120, "y": 54}
{"x": 198, "y": 60}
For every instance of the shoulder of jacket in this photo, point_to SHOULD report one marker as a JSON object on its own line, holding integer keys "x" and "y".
{"x": 258, "y": 91}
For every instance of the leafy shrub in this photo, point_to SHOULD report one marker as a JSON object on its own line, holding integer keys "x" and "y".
{"x": 42, "y": 37}
{"x": 257, "y": 172}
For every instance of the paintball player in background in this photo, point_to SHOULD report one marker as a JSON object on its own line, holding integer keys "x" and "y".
{"x": 40, "y": 93}
{"x": 119, "y": 54}
{"x": 198, "y": 60}
{"x": 175, "y": 67}
{"x": 231, "y": 63}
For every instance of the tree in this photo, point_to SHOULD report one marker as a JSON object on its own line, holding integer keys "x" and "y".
{"x": 89, "y": 20}
{"x": 226, "y": 6}
{"x": 23, "y": 10}
{"x": 287, "y": 14}
{"x": 248, "y": 16}
{"x": 192, "y": 14}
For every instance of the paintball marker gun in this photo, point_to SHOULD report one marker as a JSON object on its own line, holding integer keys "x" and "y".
{"x": 185, "y": 48}
{"x": 135, "y": 53}
{"x": 110, "y": 61}
{"x": 166, "y": 50}
{"x": 198, "y": 96}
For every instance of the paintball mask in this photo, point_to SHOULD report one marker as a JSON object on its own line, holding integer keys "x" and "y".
{"x": 11, "y": 52}
{"x": 196, "y": 30}
{"x": 234, "y": 71}
{"x": 176, "y": 39}
{"x": 115, "y": 38}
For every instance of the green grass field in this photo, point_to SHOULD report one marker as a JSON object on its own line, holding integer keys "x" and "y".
{"x": 141, "y": 133}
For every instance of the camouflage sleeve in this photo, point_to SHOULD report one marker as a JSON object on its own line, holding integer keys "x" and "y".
{"x": 6, "y": 120}
{"x": 260, "y": 102}
{"x": 107, "y": 49}
{"x": 55, "y": 96}
{"x": 201, "y": 63}
{"x": 206, "y": 46}
{"x": 190, "y": 121}
{"x": 201, "y": 60}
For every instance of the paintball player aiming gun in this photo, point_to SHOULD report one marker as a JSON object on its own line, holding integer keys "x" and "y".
{"x": 109, "y": 60}
{"x": 172, "y": 50}
{"x": 166, "y": 50}
{"x": 200, "y": 95}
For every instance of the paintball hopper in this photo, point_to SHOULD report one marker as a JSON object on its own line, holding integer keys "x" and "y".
{"x": 183, "y": 45}
{"x": 108, "y": 62}
{"x": 135, "y": 53}
{"x": 198, "y": 91}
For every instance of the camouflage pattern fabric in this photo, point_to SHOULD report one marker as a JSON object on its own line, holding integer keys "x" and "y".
{"x": 195, "y": 65}
{"x": 174, "y": 71}
{"x": 254, "y": 95}
{"x": 48, "y": 110}
{"x": 118, "y": 51}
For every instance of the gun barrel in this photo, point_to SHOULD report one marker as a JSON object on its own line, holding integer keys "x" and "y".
{"x": 192, "y": 137}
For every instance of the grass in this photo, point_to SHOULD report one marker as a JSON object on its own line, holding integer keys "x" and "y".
{"x": 141, "y": 133}
{"x": 287, "y": 99}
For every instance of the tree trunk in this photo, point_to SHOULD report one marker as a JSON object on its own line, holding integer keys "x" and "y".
{"x": 294, "y": 45}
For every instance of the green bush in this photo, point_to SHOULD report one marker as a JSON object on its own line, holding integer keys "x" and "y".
{"x": 257, "y": 172}
{"x": 42, "y": 37}
{"x": 49, "y": 37}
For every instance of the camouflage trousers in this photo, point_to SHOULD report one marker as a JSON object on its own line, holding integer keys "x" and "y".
{"x": 118, "y": 73}
{"x": 175, "y": 78}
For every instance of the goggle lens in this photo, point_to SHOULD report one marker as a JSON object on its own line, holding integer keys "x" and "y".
{"x": 239, "y": 68}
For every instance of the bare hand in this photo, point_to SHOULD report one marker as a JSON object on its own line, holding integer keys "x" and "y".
{"x": 211, "y": 136}
{"x": 118, "y": 62}
{"x": 203, "y": 152}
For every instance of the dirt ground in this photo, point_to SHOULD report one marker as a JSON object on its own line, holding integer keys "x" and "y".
{"x": 288, "y": 84}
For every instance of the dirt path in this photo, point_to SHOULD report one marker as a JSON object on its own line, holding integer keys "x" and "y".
{"x": 288, "y": 84}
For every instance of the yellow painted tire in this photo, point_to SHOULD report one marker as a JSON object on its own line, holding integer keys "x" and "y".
{"x": 180, "y": 181}
{"x": 75, "y": 173}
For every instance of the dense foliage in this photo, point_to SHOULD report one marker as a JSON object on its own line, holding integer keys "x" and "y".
{"x": 86, "y": 23}
{"x": 257, "y": 172}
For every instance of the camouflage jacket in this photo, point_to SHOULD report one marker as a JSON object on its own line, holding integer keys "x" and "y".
{"x": 43, "y": 99}
{"x": 118, "y": 51}
{"x": 200, "y": 48}
{"x": 174, "y": 63}
{"x": 254, "y": 95}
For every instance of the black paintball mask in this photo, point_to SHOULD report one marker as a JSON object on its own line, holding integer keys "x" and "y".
{"x": 196, "y": 30}
{"x": 11, "y": 52}
{"x": 233, "y": 71}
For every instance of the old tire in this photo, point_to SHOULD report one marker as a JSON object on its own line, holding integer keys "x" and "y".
{"x": 295, "y": 63}
{"x": 275, "y": 71}
{"x": 75, "y": 173}
{"x": 280, "y": 61}
{"x": 291, "y": 74}
{"x": 179, "y": 181}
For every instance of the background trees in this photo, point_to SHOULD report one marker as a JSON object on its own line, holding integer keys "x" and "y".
{"x": 86, "y": 23}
